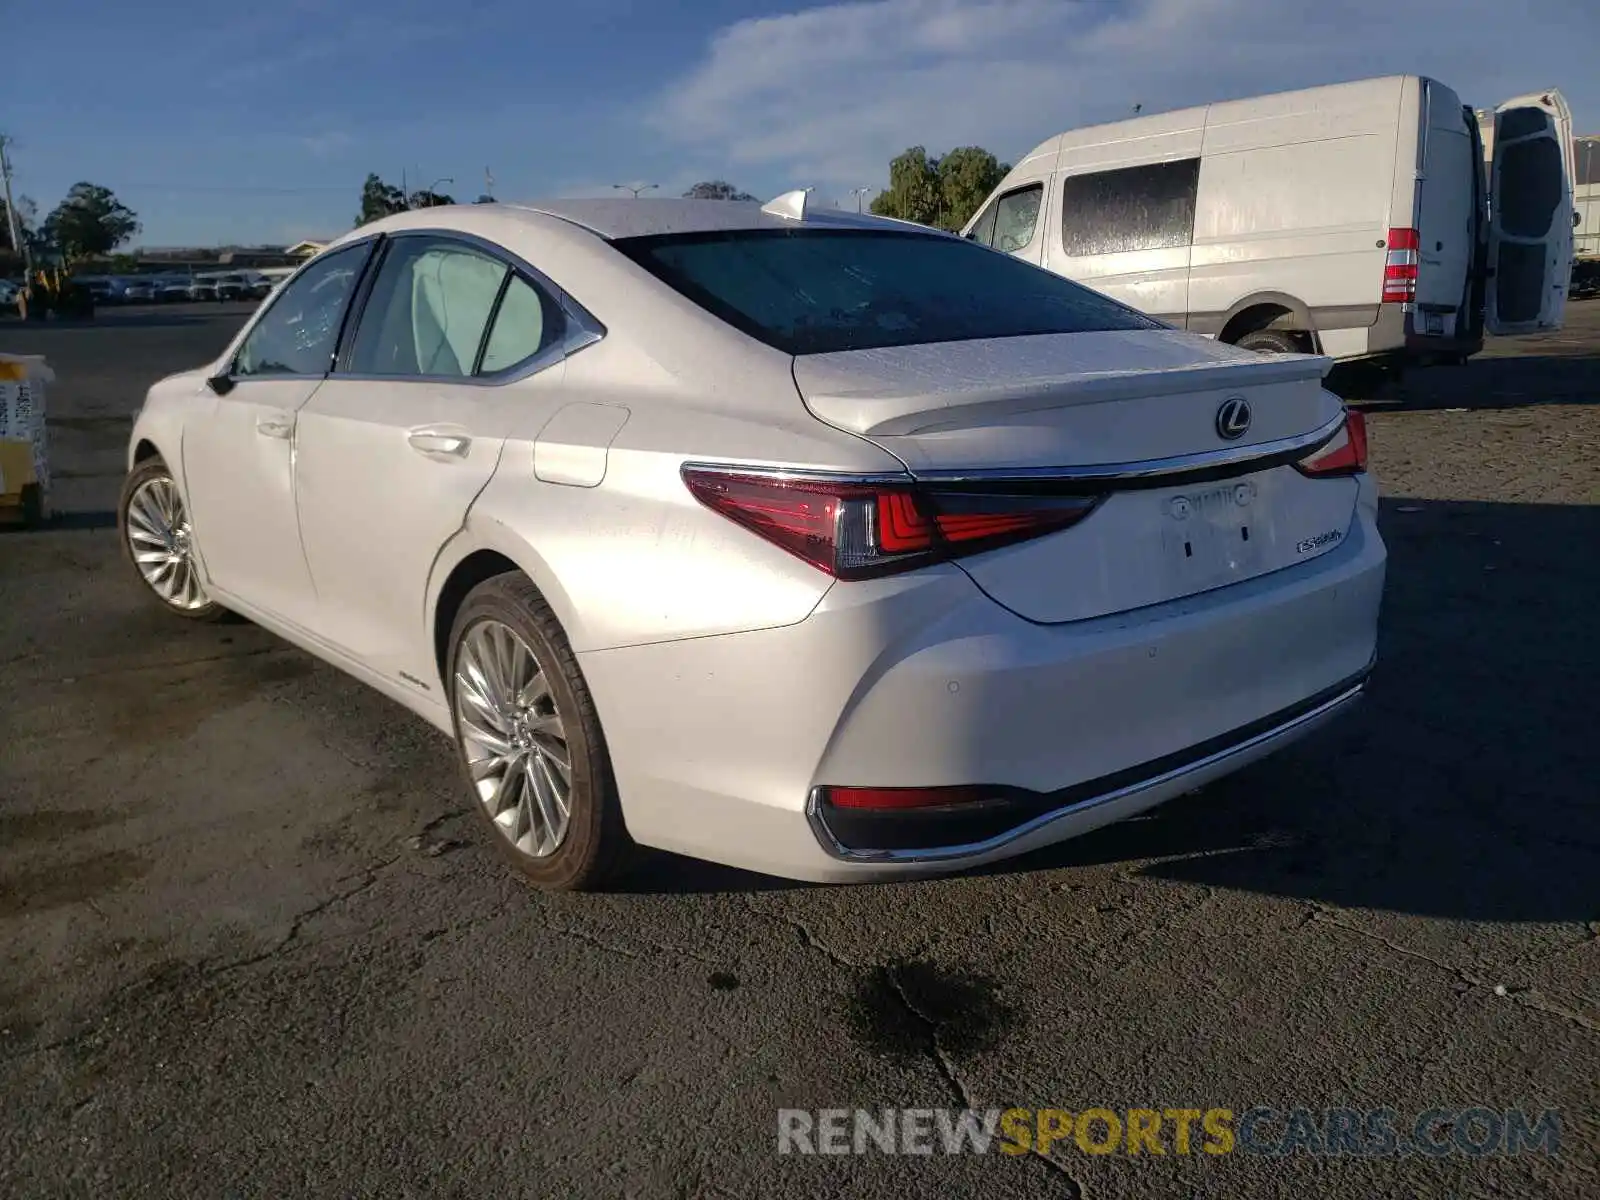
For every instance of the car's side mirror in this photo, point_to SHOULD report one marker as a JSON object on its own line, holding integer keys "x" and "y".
{"x": 221, "y": 384}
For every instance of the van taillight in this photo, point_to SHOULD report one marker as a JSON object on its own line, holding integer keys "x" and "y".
{"x": 1400, "y": 267}
{"x": 859, "y": 528}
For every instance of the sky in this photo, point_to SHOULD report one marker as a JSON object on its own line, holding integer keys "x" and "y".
{"x": 256, "y": 123}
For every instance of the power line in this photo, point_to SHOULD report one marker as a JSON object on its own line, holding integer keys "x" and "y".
{"x": 239, "y": 188}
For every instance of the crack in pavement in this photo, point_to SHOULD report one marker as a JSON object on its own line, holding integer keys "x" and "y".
{"x": 952, "y": 1078}
{"x": 807, "y": 938}
{"x": 148, "y": 988}
{"x": 599, "y": 943}
{"x": 1526, "y": 997}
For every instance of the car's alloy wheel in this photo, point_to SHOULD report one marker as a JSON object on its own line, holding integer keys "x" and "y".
{"x": 513, "y": 738}
{"x": 529, "y": 739}
{"x": 158, "y": 539}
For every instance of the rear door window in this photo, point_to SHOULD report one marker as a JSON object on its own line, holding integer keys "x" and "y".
{"x": 1133, "y": 208}
{"x": 428, "y": 311}
{"x": 528, "y": 322}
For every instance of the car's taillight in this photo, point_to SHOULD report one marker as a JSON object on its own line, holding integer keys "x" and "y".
{"x": 1400, "y": 267}
{"x": 857, "y": 529}
{"x": 1346, "y": 454}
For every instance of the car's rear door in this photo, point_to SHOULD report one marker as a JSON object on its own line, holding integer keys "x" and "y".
{"x": 454, "y": 350}
{"x": 1531, "y": 215}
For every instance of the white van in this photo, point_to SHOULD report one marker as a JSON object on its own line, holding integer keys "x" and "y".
{"x": 1353, "y": 220}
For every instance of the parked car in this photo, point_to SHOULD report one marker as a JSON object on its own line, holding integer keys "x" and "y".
{"x": 202, "y": 289}
{"x": 173, "y": 289}
{"x": 234, "y": 287}
{"x": 1348, "y": 220}
{"x": 138, "y": 291}
{"x": 103, "y": 289}
{"x": 810, "y": 542}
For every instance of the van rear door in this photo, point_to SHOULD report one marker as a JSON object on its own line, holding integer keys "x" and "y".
{"x": 1530, "y": 215}
{"x": 1449, "y": 203}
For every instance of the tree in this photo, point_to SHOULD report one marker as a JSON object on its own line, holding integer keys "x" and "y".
{"x": 913, "y": 191}
{"x": 943, "y": 192}
{"x": 966, "y": 177}
{"x": 90, "y": 223}
{"x": 379, "y": 199}
{"x": 716, "y": 189}
{"x": 427, "y": 199}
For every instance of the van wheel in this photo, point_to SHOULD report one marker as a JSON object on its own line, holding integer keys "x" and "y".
{"x": 1271, "y": 341}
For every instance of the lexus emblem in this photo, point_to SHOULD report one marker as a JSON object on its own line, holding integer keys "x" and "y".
{"x": 1233, "y": 418}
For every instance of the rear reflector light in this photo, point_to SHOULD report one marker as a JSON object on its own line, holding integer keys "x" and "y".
{"x": 857, "y": 529}
{"x": 1346, "y": 454}
{"x": 903, "y": 798}
{"x": 1400, "y": 267}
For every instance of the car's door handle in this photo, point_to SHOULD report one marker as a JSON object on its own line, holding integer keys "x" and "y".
{"x": 439, "y": 443}
{"x": 275, "y": 425}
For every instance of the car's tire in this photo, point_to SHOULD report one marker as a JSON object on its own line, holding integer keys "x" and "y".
{"x": 158, "y": 542}
{"x": 518, "y": 702}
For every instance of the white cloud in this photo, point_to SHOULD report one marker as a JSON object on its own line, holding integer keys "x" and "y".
{"x": 828, "y": 95}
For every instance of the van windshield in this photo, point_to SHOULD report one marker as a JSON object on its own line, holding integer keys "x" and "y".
{"x": 816, "y": 291}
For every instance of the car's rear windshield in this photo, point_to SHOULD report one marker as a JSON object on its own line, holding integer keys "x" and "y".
{"x": 815, "y": 291}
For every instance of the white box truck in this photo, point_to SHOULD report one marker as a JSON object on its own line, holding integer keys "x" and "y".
{"x": 1352, "y": 220}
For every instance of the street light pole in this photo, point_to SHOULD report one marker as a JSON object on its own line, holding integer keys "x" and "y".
{"x": 433, "y": 189}
{"x": 628, "y": 187}
{"x": 18, "y": 244}
{"x": 858, "y": 193}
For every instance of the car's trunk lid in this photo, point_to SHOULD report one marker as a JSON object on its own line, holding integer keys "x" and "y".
{"x": 1187, "y": 508}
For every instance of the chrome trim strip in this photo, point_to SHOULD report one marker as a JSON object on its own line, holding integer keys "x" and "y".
{"x": 940, "y": 854}
{"x": 1154, "y": 468}
{"x": 797, "y": 474}
{"x": 1149, "y": 472}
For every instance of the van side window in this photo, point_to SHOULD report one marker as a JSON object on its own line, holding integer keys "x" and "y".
{"x": 982, "y": 231}
{"x": 1134, "y": 208}
{"x": 1016, "y": 214}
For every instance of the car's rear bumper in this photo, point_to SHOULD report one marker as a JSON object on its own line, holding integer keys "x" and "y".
{"x": 719, "y": 743}
{"x": 957, "y": 833}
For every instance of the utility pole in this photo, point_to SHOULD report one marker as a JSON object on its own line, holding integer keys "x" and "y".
{"x": 488, "y": 183}
{"x": 858, "y": 193}
{"x": 18, "y": 243}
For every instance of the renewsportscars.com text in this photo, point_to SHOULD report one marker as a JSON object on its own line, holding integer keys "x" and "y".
{"x": 1378, "y": 1132}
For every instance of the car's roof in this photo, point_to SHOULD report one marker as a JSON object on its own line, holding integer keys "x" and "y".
{"x": 622, "y": 218}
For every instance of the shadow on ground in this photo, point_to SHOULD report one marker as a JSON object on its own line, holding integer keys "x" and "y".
{"x": 1482, "y": 385}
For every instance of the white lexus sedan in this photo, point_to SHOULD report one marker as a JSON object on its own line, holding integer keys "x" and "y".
{"x": 808, "y": 542}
